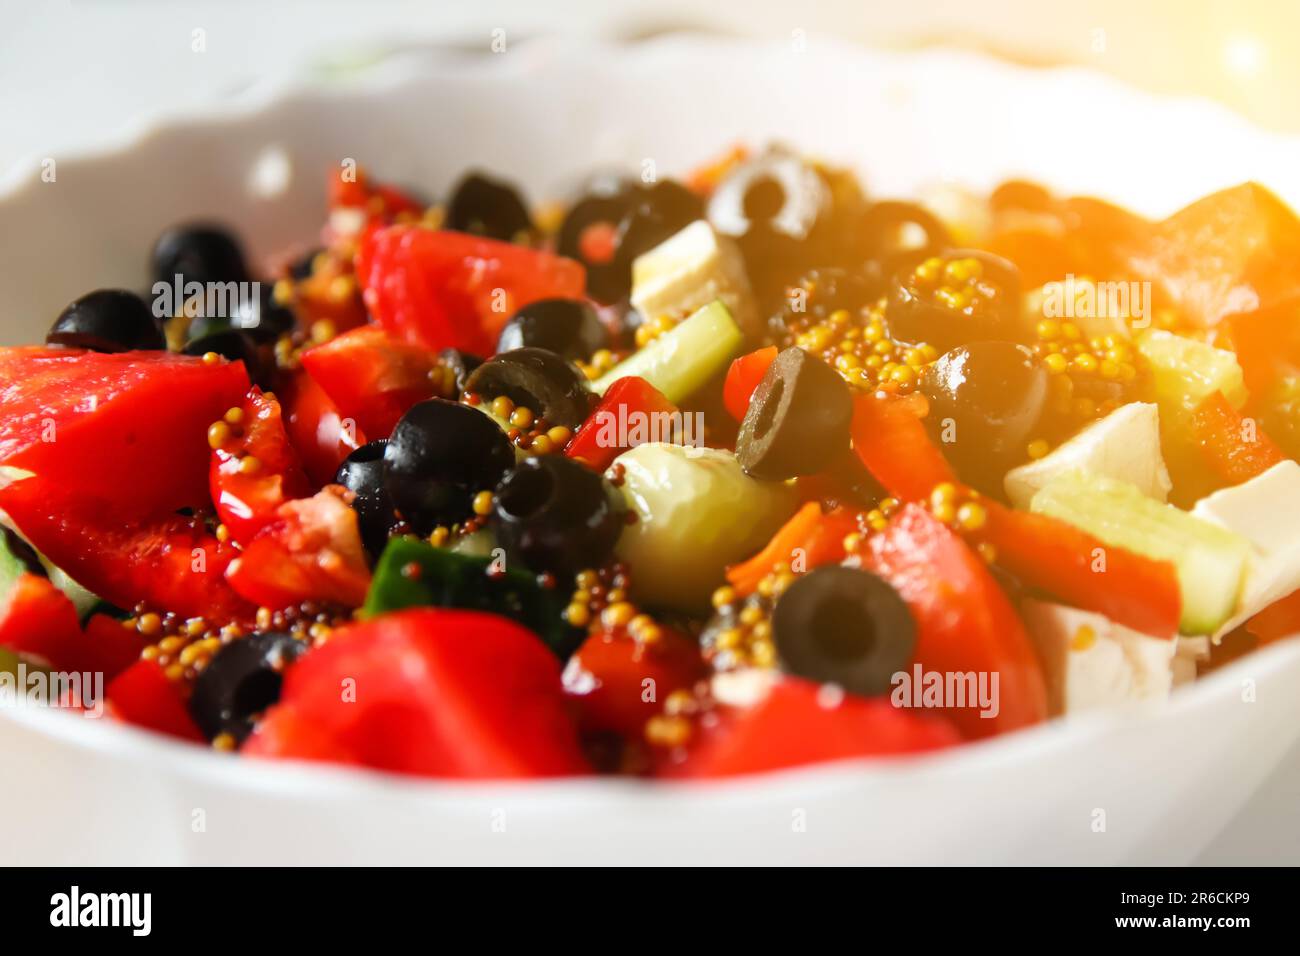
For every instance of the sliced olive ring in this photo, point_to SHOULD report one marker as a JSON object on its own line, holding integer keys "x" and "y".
{"x": 243, "y": 678}
{"x": 488, "y": 207}
{"x": 987, "y": 306}
{"x": 798, "y": 418}
{"x": 884, "y": 226}
{"x": 547, "y": 384}
{"x": 844, "y": 626}
{"x": 107, "y": 320}
{"x": 556, "y": 515}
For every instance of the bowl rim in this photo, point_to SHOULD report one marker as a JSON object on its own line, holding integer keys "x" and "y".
{"x": 319, "y": 782}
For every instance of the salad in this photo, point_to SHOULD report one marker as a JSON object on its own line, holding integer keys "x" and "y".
{"x": 674, "y": 479}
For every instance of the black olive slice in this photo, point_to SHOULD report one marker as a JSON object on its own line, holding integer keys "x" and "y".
{"x": 107, "y": 320}
{"x": 539, "y": 380}
{"x": 567, "y": 327}
{"x": 487, "y": 207}
{"x": 201, "y": 253}
{"x": 243, "y": 678}
{"x": 844, "y": 626}
{"x": 362, "y": 472}
{"x": 798, "y": 418}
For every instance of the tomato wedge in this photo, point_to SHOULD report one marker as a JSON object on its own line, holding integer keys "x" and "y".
{"x": 797, "y": 724}
{"x": 372, "y": 376}
{"x": 317, "y": 430}
{"x": 965, "y": 623}
{"x": 629, "y": 406}
{"x": 245, "y": 499}
{"x": 311, "y": 551}
{"x": 433, "y": 692}
{"x": 810, "y": 538}
{"x": 891, "y": 440}
{"x": 1233, "y": 448}
{"x": 451, "y": 289}
{"x": 743, "y": 377}
{"x": 122, "y": 433}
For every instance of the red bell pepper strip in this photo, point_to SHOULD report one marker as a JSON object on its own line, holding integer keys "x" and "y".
{"x": 965, "y": 623}
{"x": 311, "y": 551}
{"x": 631, "y": 412}
{"x": 743, "y": 377}
{"x": 246, "y": 499}
{"x": 372, "y": 375}
{"x": 1081, "y": 570}
{"x": 449, "y": 289}
{"x": 809, "y": 539}
{"x": 142, "y": 695}
{"x": 437, "y": 693}
{"x": 605, "y": 679}
{"x": 794, "y": 725}
{"x": 893, "y": 444}
{"x": 38, "y": 621}
{"x": 317, "y": 430}
{"x": 1233, "y": 448}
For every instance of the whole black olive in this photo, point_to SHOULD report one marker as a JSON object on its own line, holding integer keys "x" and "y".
{"x": 843, "y": 626}
{"x": 107, "y": 320}
{"x": 985, "y": 400}
{"x": 487, "y": 207}
{"x": 556, "y": 515}
{"x": 237, "y": 347}
{"x": 541, "y": 381}
{"x": 362, "y": 472}
{"x": 198, "y": 253}
{"x": 241, "y": 680}
{"x": 462, "y": 364}
{"x": 567, "y": 327}
{"x": 960, "y": 296}
{"x": 439, "y": 456}
{"x": 798, "y": 418}
{"x": 885, "y": 228}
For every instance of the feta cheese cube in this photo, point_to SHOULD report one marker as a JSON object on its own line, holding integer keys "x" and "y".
{"x": 689, "y": 270}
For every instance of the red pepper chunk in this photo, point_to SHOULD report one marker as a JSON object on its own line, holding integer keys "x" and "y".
{"x": 810, "y": 539}
{"x": 743, "y": 377}
{"x": 1234, "y": 448}
{"x": 318, "y": 431}
{"x": 373, "y": 376}
{"x": 965, "y": 623}
{"x": 142, "y": 695}
{"x": 632, "y": 412}
{"x": 254, "y": 468}
{"x": 39, "y": 622}
{"x": 891, "y": 440}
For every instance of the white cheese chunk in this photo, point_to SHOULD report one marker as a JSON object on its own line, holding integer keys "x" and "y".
{"x": 1262, "y": 510}
{"x": 689, "y": 270}
{"x": 1125, "y": 445}
{"x": 1091, "y": 662}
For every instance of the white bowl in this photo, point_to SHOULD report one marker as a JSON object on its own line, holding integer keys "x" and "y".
{"x": 1160, "y": 784}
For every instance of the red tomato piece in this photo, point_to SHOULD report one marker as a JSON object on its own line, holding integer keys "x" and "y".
{"x": 606, "y": 679}
{"x": 611, "y": 428}
{"x": 123, "y": 433}
{"x": 372, "y": 376}
{"x": 311, "y": 551}
{"x": 965, "y": 623}
{"x": 1232, "y": 448}
{"x": 450, "y": 289}
{"x": 246, "y": 501}
{"x": 317, "y": 430}
{"x": 433, "y": 692}
{"x": 796, "y": 724}
{"x": 743, "y": 377}
{"x": 39, "y": 622}
{"x": 1060, "y": 559}
{"x": 891, "y": 440}
{"x": 811, "y": 538}
{"x": 142, "y": 695}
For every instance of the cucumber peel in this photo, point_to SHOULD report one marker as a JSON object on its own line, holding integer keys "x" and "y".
{"x": 679, "y": 362}
{"x": 1210, "y": 560}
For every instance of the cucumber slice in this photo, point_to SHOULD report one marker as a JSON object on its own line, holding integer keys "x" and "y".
{"x": 681, "y": 360}
{"x": 1185, "y": 372}
{"x": 451, "y": 580}
{"x": 1211, "y": 561}
{"x": 12, "y": 565}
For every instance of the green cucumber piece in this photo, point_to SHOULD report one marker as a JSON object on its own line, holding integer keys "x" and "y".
{"x": 451, "y": 580}
{"x": 683, "y": 359}
{"x": 1185, "y": 372}
{"x": 11, "y": 566}
{"x": 1210, "y": 560}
